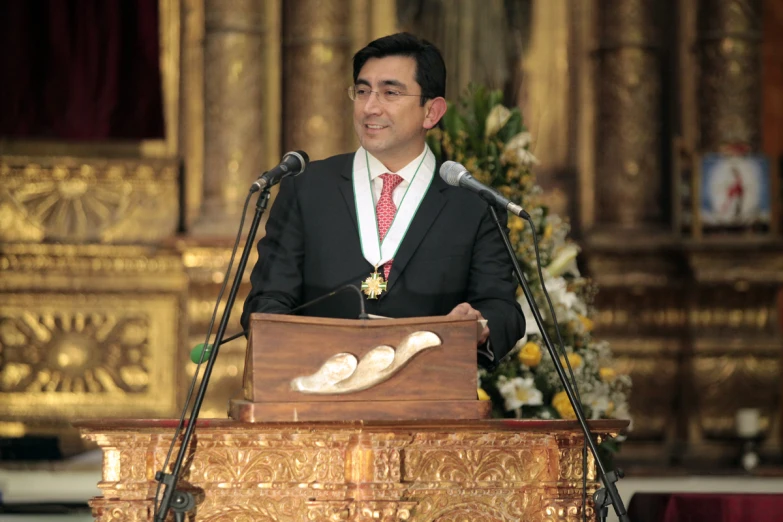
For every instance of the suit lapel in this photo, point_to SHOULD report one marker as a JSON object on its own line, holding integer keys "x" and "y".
{"x": 428, "y": 211}
{"x": 345, "y": 185}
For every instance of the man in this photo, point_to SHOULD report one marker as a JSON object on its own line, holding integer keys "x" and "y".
{"x": 382, "y": 216}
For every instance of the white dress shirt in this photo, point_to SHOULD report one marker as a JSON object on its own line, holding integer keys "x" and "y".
{"x": 407, "y": 172}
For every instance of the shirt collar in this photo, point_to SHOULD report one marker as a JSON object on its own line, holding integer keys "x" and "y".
{"x": 408, "y": 171}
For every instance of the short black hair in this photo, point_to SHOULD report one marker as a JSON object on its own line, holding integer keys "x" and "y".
{"x": 430, "y": 67}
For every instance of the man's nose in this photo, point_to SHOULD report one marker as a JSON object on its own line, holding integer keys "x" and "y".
{"x": 373, "y": 103}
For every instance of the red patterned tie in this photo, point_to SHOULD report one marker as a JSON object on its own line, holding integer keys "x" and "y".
{"x": 385, "y": 210}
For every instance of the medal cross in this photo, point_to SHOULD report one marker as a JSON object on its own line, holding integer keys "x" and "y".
{"x": 374, "y": 285}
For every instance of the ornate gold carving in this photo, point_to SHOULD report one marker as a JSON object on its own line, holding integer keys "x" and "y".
{"x": 485, "y": 505}
{"x": 206, "y": 266}
{"x": 252, "y": 507}
{"x": 729, "y": 383}
{"x": 73, "y": 199}
{"x": 565, "y": 512}
{"x": 342, "y": 373}
{"x": 764, "y": 266}
{"x": 387, "y": 464}
{"x": 318, "y": 119}
{"x": 729, "y": 49}
{"x": 383, "y": 511}
{"x": 235, "y": 466}
{"x": 290, "y": 473}
{"x": 88, "y": 355}
{"x": 628, "y": 115}
{"x": 106, "y": 511}
{"x": 60, "y": 352}
{"x": 474, "y": 466}
{"x": 328, "y": 511}
{"x": 503, "y": 457}
{"x": 571, "y": 462}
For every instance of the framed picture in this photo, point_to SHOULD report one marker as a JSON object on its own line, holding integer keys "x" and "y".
{"x": 735, "y": 193}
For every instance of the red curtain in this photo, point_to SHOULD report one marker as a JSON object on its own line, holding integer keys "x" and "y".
{"x": 80, "y": 70}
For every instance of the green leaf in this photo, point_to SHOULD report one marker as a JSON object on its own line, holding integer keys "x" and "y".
{"x": 512, "y": 127}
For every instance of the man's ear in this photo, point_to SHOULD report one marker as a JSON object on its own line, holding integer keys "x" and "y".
{"x": 436, "y": 108}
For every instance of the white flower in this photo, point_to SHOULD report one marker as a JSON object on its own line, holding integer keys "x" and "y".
{"x": 519, "y": 392}
{"x": 526, "y": 158}
{"x": 519, "y": 145}
{"x": 498, "y": 116}
{"x": 530, "y": 321}
{"x": 558, "y": 292}
{"x": 599, "y": 404}
{"x": 519, "y": 141}
{"x": 564, "y": 262}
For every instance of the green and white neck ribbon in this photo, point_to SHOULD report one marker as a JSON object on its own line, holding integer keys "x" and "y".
{"x": 377, "y": 252}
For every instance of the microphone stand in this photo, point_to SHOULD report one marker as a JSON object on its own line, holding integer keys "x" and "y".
{"x": 602, "y": 497}
{"x": 183, "y": 501}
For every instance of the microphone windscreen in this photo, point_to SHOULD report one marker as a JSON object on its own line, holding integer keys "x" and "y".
{"x": 303, "y": 158}
{"x": 198, "y": 350}
{"x": 304, "y": 155}
{"x": 451, "y": 171}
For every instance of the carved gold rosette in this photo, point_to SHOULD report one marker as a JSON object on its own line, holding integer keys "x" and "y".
{"x": 493, "y": 471}
{"x": 88, "y": 331}
{"x": 87, "y": 199}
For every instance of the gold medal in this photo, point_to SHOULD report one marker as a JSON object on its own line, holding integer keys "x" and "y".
{"x": 374, "y": 285}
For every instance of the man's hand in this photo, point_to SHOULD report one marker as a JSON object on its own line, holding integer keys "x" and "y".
{"x": 468, "y": 312}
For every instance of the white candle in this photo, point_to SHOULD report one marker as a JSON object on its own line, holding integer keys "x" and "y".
{"x": 748, "y": 422}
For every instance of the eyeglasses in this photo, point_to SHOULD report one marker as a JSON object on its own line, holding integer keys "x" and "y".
{"x": 362, "y": 93}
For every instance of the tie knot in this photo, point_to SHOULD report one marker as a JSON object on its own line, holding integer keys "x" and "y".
{"x": 390, "y": 182}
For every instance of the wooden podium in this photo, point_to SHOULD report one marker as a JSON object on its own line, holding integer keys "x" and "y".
{"x": 377, "y": 369}
{"x": 354, "y": 421}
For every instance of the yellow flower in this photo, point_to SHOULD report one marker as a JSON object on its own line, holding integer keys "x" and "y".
{"x": 516, "y": 223}
{"x": 561, "y": 403}
{"x": 586, "y": 322}
{"x": 482, "y": 395}
{"x": 574, "y": 358}
{"x": 607, "y": 374}
{"x": 530, "y": 355}
{"x": 548, "y": 231}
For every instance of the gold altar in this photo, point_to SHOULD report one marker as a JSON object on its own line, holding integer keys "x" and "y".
{"x": 446, "y": 471}
{"x": 103, "y": 303}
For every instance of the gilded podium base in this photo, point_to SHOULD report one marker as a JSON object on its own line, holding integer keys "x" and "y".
{"x": 444, "y": 471}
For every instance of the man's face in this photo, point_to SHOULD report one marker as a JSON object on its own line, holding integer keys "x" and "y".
{"x": 392, "y": 131}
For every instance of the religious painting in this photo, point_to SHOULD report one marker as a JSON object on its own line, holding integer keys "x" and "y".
{"x": 735, "y": 192}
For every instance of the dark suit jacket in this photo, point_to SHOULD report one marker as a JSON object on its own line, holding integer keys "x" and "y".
{"x": 451, "y": 253}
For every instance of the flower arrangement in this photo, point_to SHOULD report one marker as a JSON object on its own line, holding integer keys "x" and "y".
{"x": 491, "y": 141}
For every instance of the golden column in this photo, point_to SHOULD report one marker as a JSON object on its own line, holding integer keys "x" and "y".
{"x": 729, "y": 50}
{"x": 628, "y": 170}
{"x": 316, "y": 73}
{"x": 234, "y": 70}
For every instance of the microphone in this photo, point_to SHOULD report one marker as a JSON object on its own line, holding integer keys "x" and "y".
{"x": 293, "y": 164}
{"x": 458, "y": 176}
{"x": 362, "y": 312}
